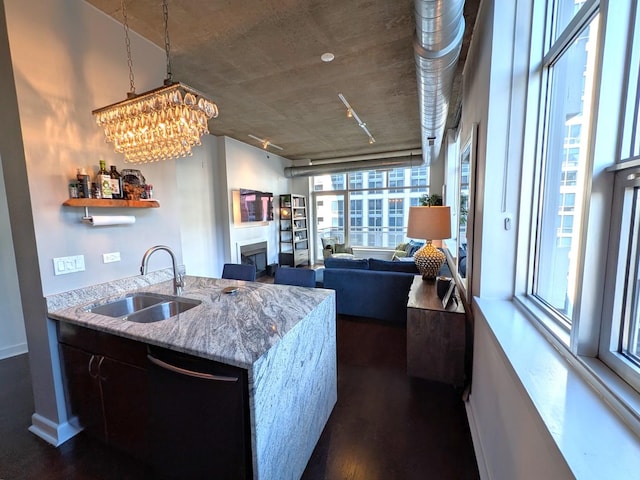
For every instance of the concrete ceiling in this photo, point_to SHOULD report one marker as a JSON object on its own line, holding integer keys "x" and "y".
{"x": 259, "y": 60}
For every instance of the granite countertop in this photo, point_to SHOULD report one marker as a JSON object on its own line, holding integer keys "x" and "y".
{"x": 235, "y": 329}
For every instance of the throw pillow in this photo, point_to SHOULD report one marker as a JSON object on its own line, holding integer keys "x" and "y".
{"x": 399, "y": 254}
{"x": 413, "y": 247}
{"x": 340, "y": 248}
{"x": 329, "y": 241}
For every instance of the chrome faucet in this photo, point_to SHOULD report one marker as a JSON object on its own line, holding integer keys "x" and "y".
{"x": 178, "y": 280}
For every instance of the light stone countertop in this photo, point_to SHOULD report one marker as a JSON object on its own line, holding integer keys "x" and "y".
{"x": 284, "y": 336}
{"x": 235, "y": 329}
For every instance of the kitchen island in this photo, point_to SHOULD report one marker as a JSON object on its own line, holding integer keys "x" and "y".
{"x": 282, "y": 336}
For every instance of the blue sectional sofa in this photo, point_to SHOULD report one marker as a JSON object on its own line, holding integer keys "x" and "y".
{"x": 370, "y": 288}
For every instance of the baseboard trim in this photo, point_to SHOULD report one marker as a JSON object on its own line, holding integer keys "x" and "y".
{"x": 13, "y": 350}
{"x": 54, "y": 433}
{"x": 477, "y": 442}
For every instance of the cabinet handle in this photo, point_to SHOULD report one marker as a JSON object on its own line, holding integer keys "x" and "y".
{"x": 91, "y": 373}
{"x": 103, "y": 378}
{"x": 191, "y": 373}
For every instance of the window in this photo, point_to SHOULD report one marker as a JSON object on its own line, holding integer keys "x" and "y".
{"x": 374, "y": 222}
{"x": 566, "y": 142}
{"x": 396, "y": 179}
{"x": 355, "y": 181}
{"x": 584, "y": 259}
{"x": 620, "y": 338}
{"x": 337, "y": 182}
{"x": 630, "y": 328}
{"x": 355, "y": 219}
{"x": 375, "y": 180}
{"x": 419, "y": 179}
{"x": 374, "y": 201}
{"x": 569, "y": 178}
{"x": 396, "y": 220}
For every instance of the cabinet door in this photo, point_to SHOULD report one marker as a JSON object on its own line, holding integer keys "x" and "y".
{"x": 125, "y": 394}
{"x": 84, "y": 400}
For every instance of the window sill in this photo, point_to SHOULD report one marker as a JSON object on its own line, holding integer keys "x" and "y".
{"x": 595, "y": 441}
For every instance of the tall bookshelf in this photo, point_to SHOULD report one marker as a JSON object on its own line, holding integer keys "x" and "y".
{"x": 294, "y": 230}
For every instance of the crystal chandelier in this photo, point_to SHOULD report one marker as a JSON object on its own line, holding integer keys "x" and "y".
{"x": 162, "y": 123}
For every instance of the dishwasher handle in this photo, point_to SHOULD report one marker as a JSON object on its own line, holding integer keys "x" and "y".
{"x": 190, "y": 373}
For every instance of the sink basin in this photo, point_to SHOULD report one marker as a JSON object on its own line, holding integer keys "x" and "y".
{"x": 127, "y": 305}
{"x": 145, "y": 307}
{"x": 162, "y": 311}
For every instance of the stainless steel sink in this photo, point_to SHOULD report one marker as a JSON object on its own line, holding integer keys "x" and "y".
{"x": 127, "y": 305}
{"x": 145, "y": 307}
{"x": 162, "y": 311}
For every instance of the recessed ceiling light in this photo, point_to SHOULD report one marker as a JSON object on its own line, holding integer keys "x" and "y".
{"x": 327, "y": 57}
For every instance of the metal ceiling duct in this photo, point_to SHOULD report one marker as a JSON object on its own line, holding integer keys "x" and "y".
{"x": 439, "y": 33}
{"x": 351, "y": 164}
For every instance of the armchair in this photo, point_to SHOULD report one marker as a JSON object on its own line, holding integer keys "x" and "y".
{"x": 330, "y": 246}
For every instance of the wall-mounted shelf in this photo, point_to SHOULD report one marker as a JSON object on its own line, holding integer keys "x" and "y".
{"x": 108, "y": 203}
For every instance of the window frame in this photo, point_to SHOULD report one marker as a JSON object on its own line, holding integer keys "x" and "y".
{"x": 589, "y": 343}
{"x": 380, "y": 195}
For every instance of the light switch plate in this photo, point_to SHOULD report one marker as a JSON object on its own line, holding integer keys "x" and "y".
{"x": 72, "y": 264}
{"x": 111, "y": 257}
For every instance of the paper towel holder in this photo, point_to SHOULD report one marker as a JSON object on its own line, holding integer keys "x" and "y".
{"x": 117, "y": 220}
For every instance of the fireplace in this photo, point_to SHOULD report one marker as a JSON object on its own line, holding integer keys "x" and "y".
{"x": 255, "y": 254}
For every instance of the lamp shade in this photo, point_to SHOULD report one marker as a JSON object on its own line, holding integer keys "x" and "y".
{"x": 429, "y": 223}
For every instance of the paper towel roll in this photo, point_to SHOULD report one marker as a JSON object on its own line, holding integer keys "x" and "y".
{"x": 99, "y": 220}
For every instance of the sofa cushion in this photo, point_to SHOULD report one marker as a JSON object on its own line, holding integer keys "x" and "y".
{"x": 367, "y": 293}
{"x": 393, "y": 266}
{"x": 352, "y": 263}
{"x": 412, "y": 247}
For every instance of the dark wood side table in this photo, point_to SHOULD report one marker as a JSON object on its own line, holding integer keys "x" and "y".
{"x": 435, "y": 335}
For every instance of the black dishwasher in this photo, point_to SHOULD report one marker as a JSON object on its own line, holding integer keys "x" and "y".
{"x": 199, "y": 418}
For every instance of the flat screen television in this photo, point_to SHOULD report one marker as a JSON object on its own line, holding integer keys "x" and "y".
{"x": 256, "y": 206}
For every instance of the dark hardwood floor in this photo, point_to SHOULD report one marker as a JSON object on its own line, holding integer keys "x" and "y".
{"x": 384, "y": 426}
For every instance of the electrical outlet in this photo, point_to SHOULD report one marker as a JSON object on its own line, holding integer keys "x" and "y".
{"x": 111, "y": 257}
{"x": 64, "y": 265}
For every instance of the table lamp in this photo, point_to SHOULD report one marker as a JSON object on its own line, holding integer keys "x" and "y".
{"x": 430, "y": 223}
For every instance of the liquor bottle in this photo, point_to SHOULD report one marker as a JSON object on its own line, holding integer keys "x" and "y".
{"x": 116, "y": 183}
{"x": 83, "y": 184}
{"x": 104, "y": 180}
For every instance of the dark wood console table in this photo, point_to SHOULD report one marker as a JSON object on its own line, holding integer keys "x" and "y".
{"x": 435, "y": 335}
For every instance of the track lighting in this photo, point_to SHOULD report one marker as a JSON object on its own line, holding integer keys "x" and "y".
{"x": 265, "y": 143}
{"x": 351, "y": 113}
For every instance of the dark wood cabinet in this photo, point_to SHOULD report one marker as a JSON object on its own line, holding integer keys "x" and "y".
{"x": 107, "y": 386}
{"x": 83, "y": 390}
{"x": 435, "y": 335}
{"x": 186, "y": 416}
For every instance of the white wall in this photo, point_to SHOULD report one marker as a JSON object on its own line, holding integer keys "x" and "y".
{"x": 13, "y": 338}
{"x": 510, "y": 439}
{"x": 200, "y": 227}
{"x": 68, "y": 59}
{"x": 206, "y": 184}
{"x": 253, "y": 168}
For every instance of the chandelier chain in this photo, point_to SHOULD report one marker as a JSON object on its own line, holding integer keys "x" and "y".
{"x": 167, "y": 42}
{"x": 127, "y": 42}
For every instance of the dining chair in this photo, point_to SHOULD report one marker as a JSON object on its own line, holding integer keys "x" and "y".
{"x": 237, "y": 271}
{"x": 301, "y": 277}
